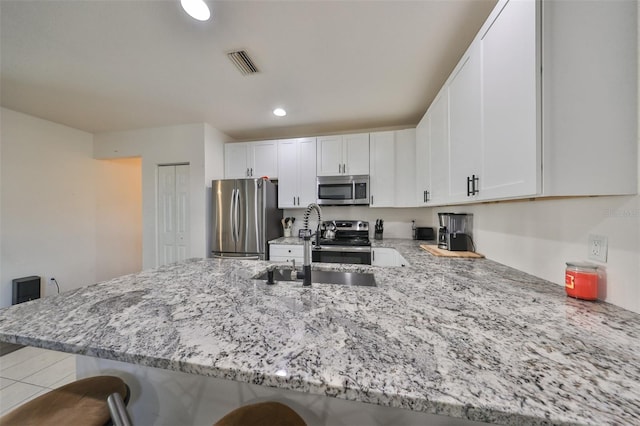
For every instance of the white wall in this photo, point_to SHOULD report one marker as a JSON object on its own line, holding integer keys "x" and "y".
{"x": 118, "y": 217}
{"x": 167, "y": 145}
{"x": 48, "y": 203}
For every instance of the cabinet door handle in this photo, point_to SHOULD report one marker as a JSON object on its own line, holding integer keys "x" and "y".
{"x": 426, "y": 196}
{"x": 373, "y": 255}
{"x": 298, "y": 200}
{"x": 476, "y": 184}
{"x": 294, "y": 201}
{"x": 372, "y": 200}
{"x": 251, "y": 171}
{"x": 469, "y": 184}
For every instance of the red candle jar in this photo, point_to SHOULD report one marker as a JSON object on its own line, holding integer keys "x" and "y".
{"x": 581, "y": 280}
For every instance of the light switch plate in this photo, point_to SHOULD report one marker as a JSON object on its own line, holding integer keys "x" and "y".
{"x": 598, "y": 247}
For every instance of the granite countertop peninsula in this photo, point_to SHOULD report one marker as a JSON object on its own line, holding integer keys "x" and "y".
{"x": 467, "y": 338}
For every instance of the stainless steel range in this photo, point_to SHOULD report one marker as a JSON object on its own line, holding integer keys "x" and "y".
{"x": 343, "y": 241}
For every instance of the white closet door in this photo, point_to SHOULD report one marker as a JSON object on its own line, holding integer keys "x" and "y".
{"x": 182, "y": 213}
{"x": 173, "y": 214}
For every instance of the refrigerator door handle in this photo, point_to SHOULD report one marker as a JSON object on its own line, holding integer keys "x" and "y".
{"x": 236, "y": 217}
{"x": 232, "y": 221}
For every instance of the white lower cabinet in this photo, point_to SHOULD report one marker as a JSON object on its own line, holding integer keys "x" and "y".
{"x": 286, "y": 253}
{"x": 381, "y": 256}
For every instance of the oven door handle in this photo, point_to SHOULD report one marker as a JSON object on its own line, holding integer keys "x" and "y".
{"x": 353, "y": 249}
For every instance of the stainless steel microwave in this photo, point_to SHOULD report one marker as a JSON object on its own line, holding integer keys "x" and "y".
{"x": 343, "y": 190}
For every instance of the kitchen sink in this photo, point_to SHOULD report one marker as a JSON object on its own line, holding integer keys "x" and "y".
{"x": 325, "y": 277}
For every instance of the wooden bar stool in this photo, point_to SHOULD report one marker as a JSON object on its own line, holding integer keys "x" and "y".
{"x": 262, "y": 414}
{"x": 83, "y": 402}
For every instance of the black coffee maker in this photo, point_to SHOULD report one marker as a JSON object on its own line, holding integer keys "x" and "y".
{"x": 454, "y": 233}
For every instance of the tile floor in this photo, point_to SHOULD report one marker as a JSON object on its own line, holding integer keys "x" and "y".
{"x": 30, "y": 372}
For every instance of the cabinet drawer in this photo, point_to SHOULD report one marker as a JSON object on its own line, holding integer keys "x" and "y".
{"x": 285, "y": 251}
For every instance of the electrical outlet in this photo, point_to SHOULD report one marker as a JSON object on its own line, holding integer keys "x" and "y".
{"x": 598, "y": 246}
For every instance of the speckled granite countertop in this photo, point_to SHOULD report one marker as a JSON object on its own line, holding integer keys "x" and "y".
{"x": 464, "y": 338}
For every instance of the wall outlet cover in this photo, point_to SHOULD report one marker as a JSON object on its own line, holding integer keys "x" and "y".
{"x": 598, "y": 247}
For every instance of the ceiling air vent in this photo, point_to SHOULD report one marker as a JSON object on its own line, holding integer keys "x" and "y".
{"x": 243, "y": 62}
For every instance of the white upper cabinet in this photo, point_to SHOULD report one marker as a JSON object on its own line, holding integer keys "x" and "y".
{"x": 537, "y": 106}
{"x": 422, "y": 161}
{"x": 439, "y": 149}
{"x": 265, "y": 159}
{"x": 494, "y": 148}
{"x": 589, "y": 97}
{"x": 383, "y": 169}
{"x": 465, "y": 127}
{"x": 356, "y": 148}
{"x": 329, "y": 156}
{"x": 510, "y": 82}
{"x": 251, "y": 160}
{"x": 343, "y": 155}
{"x": 432, "y": 153}
{"x": 306, "y": 171}
{"x": 296, "y": 172}
{"x": 236, "y": 163}
{"x": 405, "y": 176}
{"x": 392, "y": 168}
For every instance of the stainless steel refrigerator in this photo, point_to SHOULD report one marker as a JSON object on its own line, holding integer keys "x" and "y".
{"x": 245, "y": 217}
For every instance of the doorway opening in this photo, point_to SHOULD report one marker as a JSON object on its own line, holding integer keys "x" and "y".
{"x": 118, "y": 217}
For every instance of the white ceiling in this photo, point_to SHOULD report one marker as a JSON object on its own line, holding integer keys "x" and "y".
{"x": 105, "y": 65}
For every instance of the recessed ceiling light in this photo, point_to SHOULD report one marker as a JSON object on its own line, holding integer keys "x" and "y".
{"x": 279, "y": 112}
{"x": 197, "y": 9}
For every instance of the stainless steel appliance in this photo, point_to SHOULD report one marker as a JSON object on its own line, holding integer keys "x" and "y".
{"x": 343, "y": 190}
{"x": 455, "y": 232}
{"x": 245, "y": 217}
{"x": 424, "y": 233}
{"x": 343, "y": 241}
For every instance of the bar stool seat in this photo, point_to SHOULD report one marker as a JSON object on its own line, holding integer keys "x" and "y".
{"x": 262, "y": 414}
{"x": 83, "y": 402}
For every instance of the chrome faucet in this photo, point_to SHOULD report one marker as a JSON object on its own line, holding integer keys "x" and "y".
{"x": 306, "y": 266}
